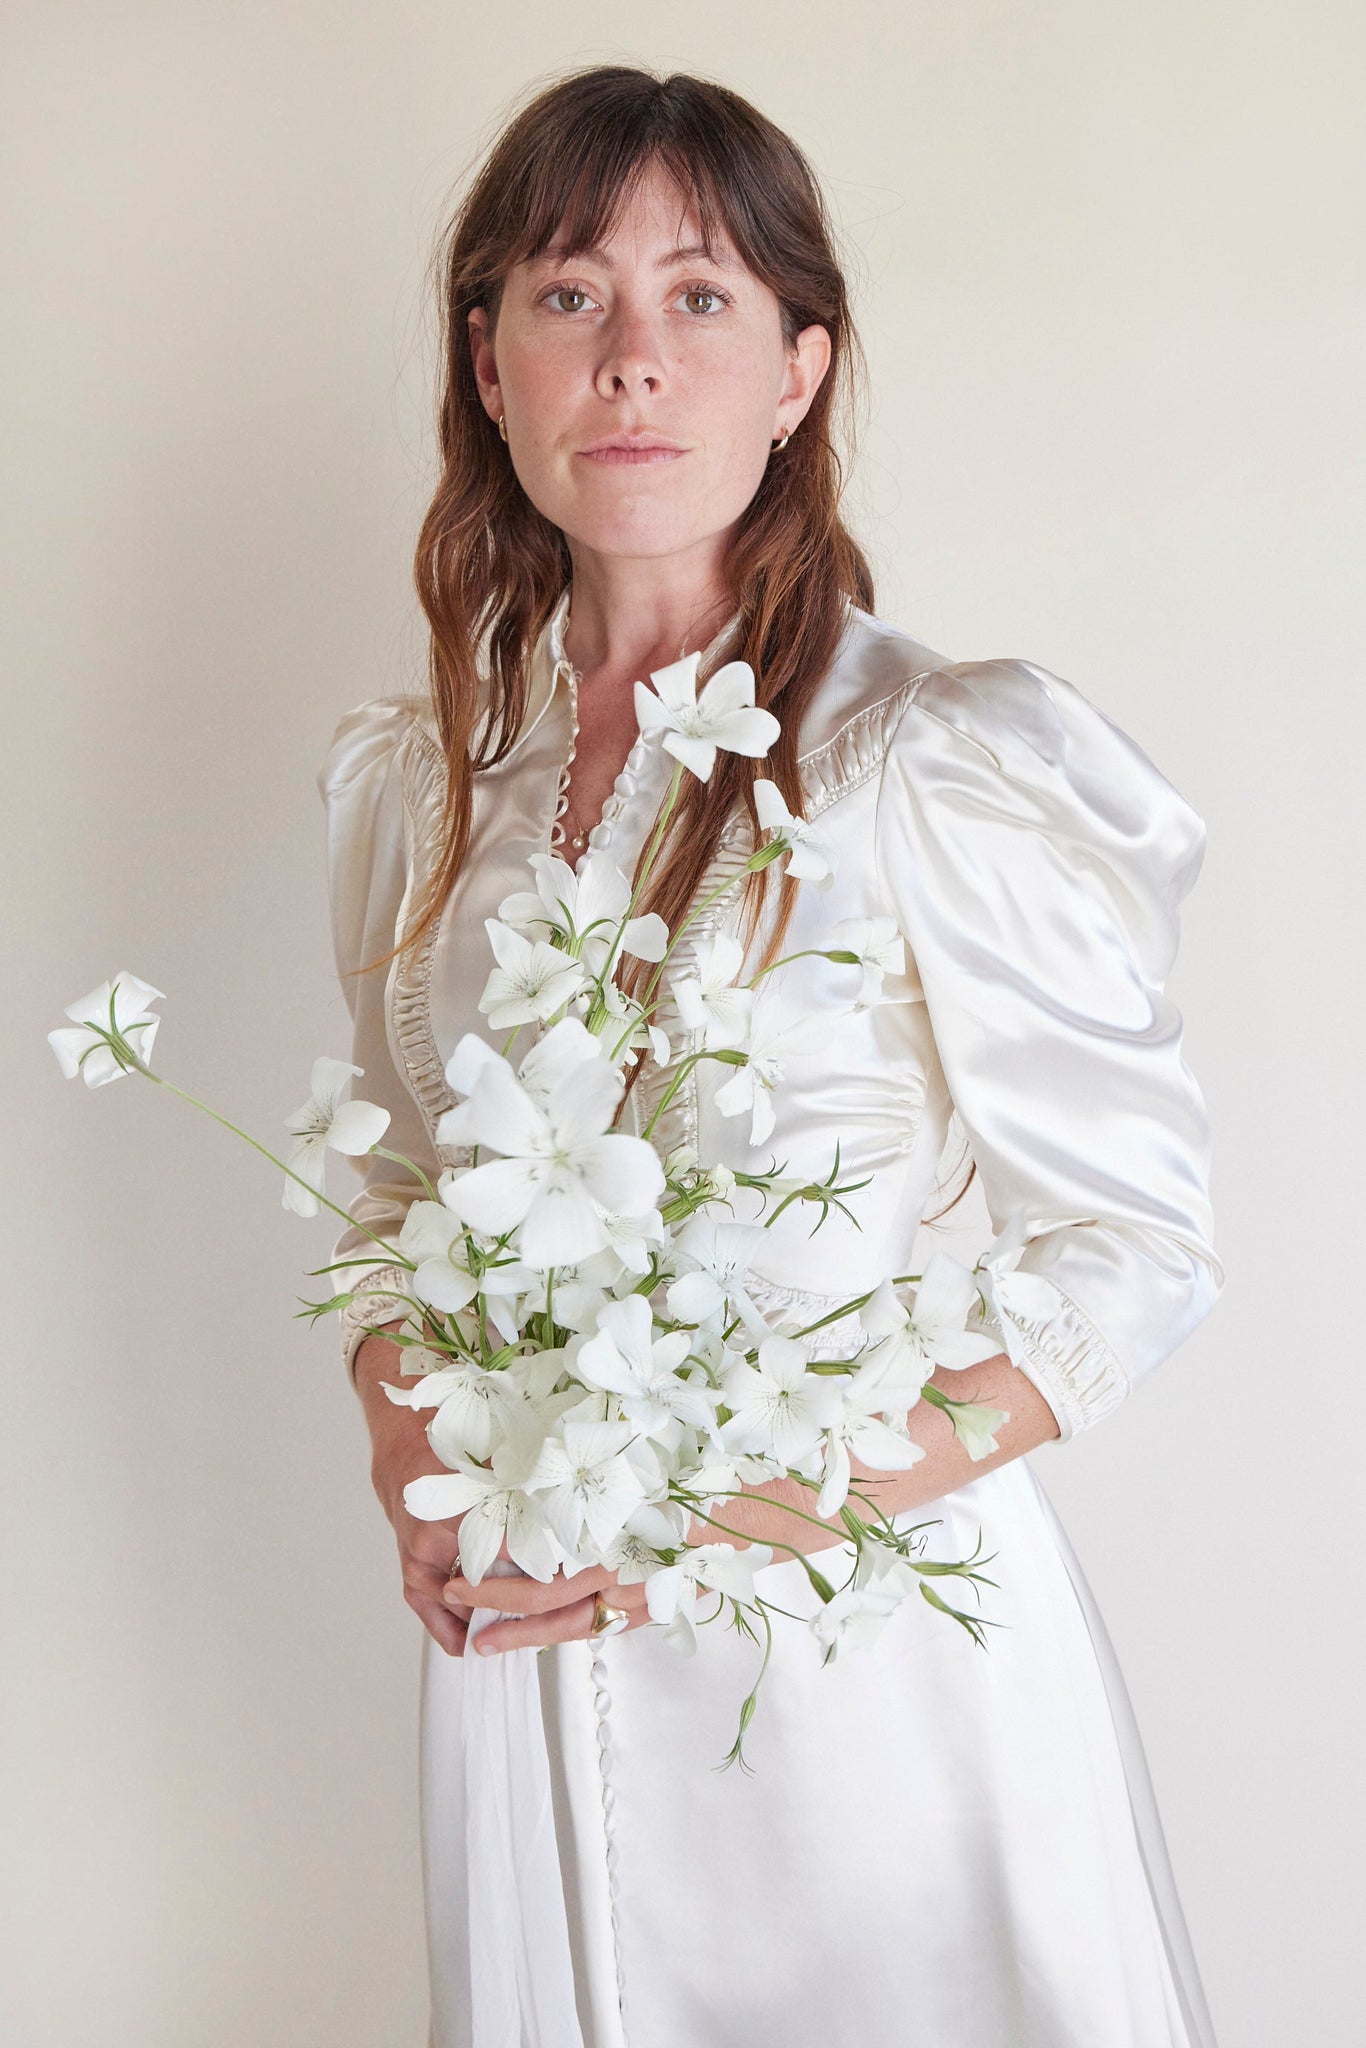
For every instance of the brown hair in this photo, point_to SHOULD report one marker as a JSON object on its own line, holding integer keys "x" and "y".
{"x": 489, "y": 567}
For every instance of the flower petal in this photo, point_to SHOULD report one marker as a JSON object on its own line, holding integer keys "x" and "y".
{"x": 699, "y": 756}
{"x": 501, "y": 1115}
{"x": 621, "y": 1172}
{"x": 435, "y": 1496}
{"x": 496, "y": 1197}
{"x": 647, "y": 938}
{"x": 730, "y": 689}
{"x": 357, "y": 1126}
{"x": 561, "y": 1225}
{"x": 746, "y": 732}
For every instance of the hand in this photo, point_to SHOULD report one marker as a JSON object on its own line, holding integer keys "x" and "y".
{"x": 557, "y": 1610}
{"x": 400, "y": 1452}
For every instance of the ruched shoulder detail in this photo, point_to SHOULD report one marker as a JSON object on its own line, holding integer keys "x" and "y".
{"x": 424, "y": 793}
{"x": 1036, "y": 858}
{"x": 854, "y": 754}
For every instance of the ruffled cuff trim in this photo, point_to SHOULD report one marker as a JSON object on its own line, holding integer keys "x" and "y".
{"x": 1072, "y": 1364}
{"x": 370, "y": 1309}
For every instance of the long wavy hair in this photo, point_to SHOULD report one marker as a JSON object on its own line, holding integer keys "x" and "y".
{"x": 489, "y": 567}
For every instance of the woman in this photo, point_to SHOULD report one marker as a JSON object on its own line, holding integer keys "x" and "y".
{"x": 646, "y": 334}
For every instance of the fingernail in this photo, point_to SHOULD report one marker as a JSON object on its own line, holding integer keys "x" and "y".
{"x": 484, "y": 1647}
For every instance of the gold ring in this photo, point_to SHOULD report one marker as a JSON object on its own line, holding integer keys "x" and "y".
{"x": 607, "y": 1620}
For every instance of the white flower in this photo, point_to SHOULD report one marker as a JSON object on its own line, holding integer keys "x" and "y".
{"x": 671, "y": 1594}
{"x": 543, "y": 1067}
{"x": 562, "y": 1163}
{"x": 575, "y": 1295}
{"x": 852, "y": 1619}
{"x": 778, "y": 1407}
{"x": 473, "y": 1407}
{"x": 694, "y": 726}
{"x": 493, "y": 1507}
{"x": 585, "y": 905}
{"x": 809, "y": 858}
{"x": 436, "y": 1241}
{"x": 481, "y": 1409}
{"x": 772, "y": 1042}
{"x": 627, "y": 1359}
{"x": 887, "y": 1571}
{"x": 83, "y": 1051}
{"x": 351, "y": 1127}
{"x": 531, "y": 981}
{"x": 974, "y": 1425}
{"x": 633, "y": 1554}
{"x": 583, "y": 1480}
{"x": 878, "y": 948}
{"x": 911, "y": 1342}
{"x": 707, "y": 1000}
{"x": 720, "y": 1253}
{"x": 632, "y": 1238}
{"x": 626, "y": 1030}
{"x": 859, "y": 1433}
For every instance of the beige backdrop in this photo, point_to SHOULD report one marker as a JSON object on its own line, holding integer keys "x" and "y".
{"x": 1108, "y": 260}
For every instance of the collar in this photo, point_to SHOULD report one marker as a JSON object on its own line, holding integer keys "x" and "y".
{"x": 549, "y": 666}
{"x": 550, "y": 663}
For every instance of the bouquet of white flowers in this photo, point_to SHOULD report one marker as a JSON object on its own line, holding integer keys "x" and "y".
{"x": 576, "y": 1311}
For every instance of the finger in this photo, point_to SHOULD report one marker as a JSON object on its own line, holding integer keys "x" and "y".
{"x": 560, "y": 1625}
{"x": 445, "y": 1628}
{"x": 430, "y": 1583}
{"x": 530, "y": 1596}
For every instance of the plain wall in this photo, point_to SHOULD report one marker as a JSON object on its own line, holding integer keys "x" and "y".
{"x": 1108, "y": 269}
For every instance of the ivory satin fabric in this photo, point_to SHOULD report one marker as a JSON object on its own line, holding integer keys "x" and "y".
{"x": 941, "y": 1847}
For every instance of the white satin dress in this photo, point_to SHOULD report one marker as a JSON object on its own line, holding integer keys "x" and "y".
{"x": 941, "y": 1846}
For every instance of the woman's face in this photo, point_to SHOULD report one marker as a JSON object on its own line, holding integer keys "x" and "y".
{"x": 642, "y": 339}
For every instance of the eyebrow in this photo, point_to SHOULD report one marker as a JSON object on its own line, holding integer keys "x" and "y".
{"x": 557, "y": 253}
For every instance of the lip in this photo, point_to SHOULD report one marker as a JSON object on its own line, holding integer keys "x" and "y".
{"x": 642, "y": 446}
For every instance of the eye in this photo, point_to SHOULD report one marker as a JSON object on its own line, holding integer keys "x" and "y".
{"x": 707, "y": 291}
{"x": 573, "y": 291}
{"x": 698, "y": 290}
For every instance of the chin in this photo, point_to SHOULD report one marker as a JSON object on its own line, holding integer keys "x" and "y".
{"x": 634, "y": 530}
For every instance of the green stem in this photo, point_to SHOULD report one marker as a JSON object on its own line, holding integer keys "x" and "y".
{"x": 786, "y": 1506}
{"x": 383, "y": 1152}
{"x": 395, "y": 1257}
{"x": 859, "y": 1301}
{"x": 642, "y": 878}
{"x": 679, "y": 1076}
{"x": 807, "y": 953}
{"x": 712, "y": 896}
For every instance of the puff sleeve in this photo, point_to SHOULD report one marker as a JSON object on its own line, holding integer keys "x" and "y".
{"x": 361, "y": 785}
{"x": 1035, "y": 860}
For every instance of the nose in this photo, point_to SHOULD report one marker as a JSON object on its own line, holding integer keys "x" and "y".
{"x": 632, "y": 359}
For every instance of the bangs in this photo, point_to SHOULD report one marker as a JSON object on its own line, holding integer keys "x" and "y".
{"x": 575, "y": 204}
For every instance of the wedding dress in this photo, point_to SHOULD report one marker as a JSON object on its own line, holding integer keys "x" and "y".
{"x": 940, "y": 1846}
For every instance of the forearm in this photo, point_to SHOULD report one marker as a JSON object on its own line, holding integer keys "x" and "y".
{"x": 761, "y": 1514}
{"x": 378, "y": 1359}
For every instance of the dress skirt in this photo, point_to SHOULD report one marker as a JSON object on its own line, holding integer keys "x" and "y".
{"x": 941, "y": 1846}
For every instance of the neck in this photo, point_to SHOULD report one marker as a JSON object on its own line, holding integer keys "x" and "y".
{"x": 627, "y": 617}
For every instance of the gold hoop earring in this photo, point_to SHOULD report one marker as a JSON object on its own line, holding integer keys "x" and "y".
{"x": 774, "y": 446}
{"x": 501, "y": 428}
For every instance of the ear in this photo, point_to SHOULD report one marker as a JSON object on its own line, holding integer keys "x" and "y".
{"x": 484, "y": 364}
{"x": 806, "y": 365}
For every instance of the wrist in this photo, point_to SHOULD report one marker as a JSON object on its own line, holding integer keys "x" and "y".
{"x": 377, "y": 1358}
{"x": 765, "y": 1514}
